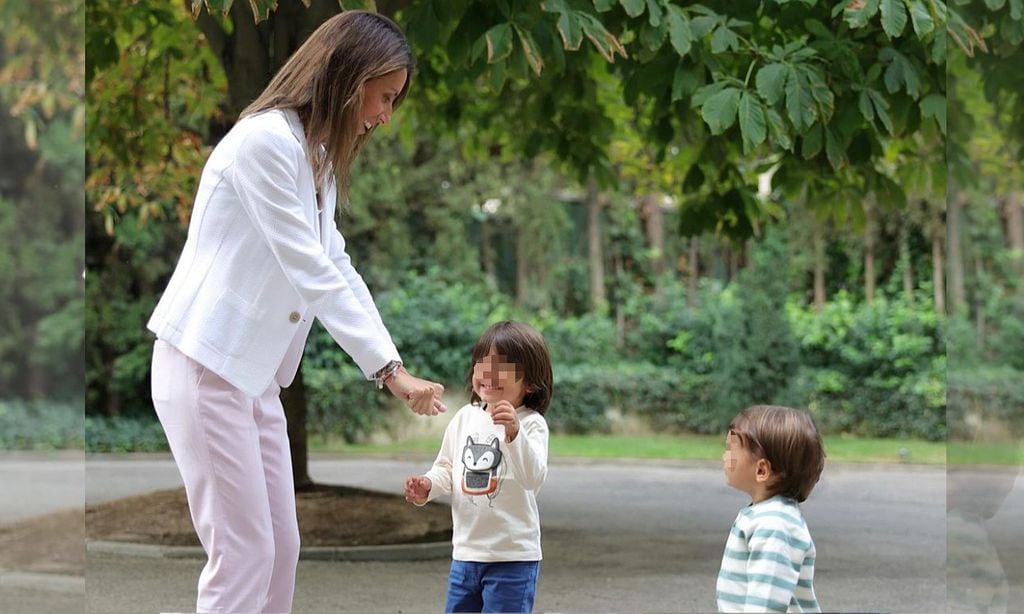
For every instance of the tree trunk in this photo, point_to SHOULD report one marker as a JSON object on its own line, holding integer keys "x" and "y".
{"x": 906, "y": 262}
{"x": 957, "y": 292}
{"x": 252, "y": 52}
{"x": 487, "y": 252}
{"x": 819, "y": 268}
{"x": 694, "y": 273}
{"x": 654, "y": 229}
{"x": 620, "y": 313}
{"x": 595, "y": 254}
{"x": 733, "y": 256}
{"x": 938, "y": 275}
{"x": 522, "y": 269}
{"x": 869, "y": 251}
{"x": 294, "y": 400}
{"x": 1014, "y": 211}
{"x": 980, "y": 323}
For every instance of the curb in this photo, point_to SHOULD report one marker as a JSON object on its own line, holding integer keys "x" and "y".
{"x": 58, "y": 583}
{"x": 397, "y": 552}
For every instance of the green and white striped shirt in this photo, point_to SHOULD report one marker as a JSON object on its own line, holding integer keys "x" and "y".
{"x": 768, "y": 565}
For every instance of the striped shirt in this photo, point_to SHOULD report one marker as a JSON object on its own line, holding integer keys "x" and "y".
{"x": 768, "y": 565}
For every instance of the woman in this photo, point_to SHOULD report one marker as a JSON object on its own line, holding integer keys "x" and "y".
{"x": 263, "y": 258}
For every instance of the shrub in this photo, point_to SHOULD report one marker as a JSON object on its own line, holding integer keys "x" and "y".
{"x": 666, "y": 397}
{"x": 40, "y": 425}
{"x": 124, "y": 434}
{"x": 872, "y": 369}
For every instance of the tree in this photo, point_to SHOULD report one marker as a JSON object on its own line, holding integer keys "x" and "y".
{"x": 806, "y": 86}
{"x": 41, "y": 170}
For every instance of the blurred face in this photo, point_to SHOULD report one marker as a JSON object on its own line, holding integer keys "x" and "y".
{"x": 379, "y": 96}
{"x": 739, "y": 465}
{"x": 496, "y": 379}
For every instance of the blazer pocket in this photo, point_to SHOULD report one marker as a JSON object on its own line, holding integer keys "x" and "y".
{"x": 234, "y": 324}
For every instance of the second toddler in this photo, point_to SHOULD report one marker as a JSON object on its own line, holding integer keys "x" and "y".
{"x": 775, "y": 455}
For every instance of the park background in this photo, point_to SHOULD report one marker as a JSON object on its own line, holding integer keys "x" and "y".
{"x": 701, "y": 206}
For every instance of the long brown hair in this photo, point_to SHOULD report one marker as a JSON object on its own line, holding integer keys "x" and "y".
{"x": 323, "y": 81}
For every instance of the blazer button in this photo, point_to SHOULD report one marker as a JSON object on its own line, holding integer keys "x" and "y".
{"x": 294, "y": 317}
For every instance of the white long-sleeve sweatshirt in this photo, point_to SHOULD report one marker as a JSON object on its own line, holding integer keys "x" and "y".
{"x": 493, "y": 485}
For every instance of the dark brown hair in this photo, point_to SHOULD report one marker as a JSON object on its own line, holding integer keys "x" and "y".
{"x": 523, "y": 346}
{"x": 788, "y": 439}
{"x": 323, "y": 81}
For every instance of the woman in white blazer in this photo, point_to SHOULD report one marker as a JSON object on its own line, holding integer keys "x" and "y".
{"x": 262, "y": 259}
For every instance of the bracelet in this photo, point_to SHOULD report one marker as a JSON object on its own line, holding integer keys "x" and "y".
{"x": 387, "y": 373}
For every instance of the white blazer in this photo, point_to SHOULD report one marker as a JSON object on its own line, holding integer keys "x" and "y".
{"x": 260, "y": 262}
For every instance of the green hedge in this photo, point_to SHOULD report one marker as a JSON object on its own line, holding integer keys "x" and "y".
{"x": 40, "y": 425}
{"x": 124, "y": 434}
{"x": 985, "y": 392}
{"x": 874, "y": 369}
{"x": 666, "y": 397}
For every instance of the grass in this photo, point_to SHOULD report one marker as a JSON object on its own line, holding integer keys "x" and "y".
{"x": 677, "y": 447}
{"x": 985, "y": 453}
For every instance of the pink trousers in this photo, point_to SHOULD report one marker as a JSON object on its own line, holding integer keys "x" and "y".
{"x": 232, "y": 452}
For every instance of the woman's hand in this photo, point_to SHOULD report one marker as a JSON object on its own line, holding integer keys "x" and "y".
{"x": 417, "y": 489}
{"x": 504, "y": 414}
{"x": 423, "y": 397}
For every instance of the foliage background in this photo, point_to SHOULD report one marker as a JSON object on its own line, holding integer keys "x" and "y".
{"x": 701, "y": 206}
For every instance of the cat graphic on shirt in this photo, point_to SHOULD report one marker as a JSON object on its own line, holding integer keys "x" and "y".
{"x": 481, "y": 462}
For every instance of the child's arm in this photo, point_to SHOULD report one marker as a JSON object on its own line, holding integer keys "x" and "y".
{"x": 440, "y": 474}
{"x": 528, "y": 452}
{"x": 773, "y": 569}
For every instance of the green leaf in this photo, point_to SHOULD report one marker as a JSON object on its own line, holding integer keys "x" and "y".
{"x": 634, "y": 8}
{"x": 882, "y": 110}
{"x": 753, "y": 124}
{"x": 921, "y": 18}
{"x": 812, "y": 142}
{"x": 603, "y": 6}
{"x": 653, "y": 13}
{"x": 723, "y": 40}
{"x": 779, "y": 129}
{"x": 348, "y": 5}
{"x": 799, "y": 102}
{"x": 679, "y": 31}
{"x": 858, "y": 18}
{"x": 601, "y": 38}
{"x": 499, "y": 42}
{"x": 498, "y": 75}
{"x": 570, "y": 31}
{"x": 701, "y": 95}
{"x": 1016, "y": 9}
{"x": 894, "y": 17}
{"x": 684, "y": 82}
{"x": 900, "y": 72}
{"x": 702, "y": 25}
{"x": 995, "y": 5}
{"x": 531, "y": 51}
{"x": 652, "y": 37}
{"x": 719, "y": 111}
{"x": 934, "y": 105}
{"x": 771, "y": 81}
{"x": 833, "y": 149}
{"x": 864, "y": 103}
{"x": 819, "y": 91}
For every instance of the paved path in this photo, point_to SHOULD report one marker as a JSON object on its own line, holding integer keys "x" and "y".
{"x": 618, "y": 537}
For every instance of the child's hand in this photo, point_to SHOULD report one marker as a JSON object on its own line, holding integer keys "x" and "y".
{"x": 504, "y": 414}
{"x": 417, "y": 489}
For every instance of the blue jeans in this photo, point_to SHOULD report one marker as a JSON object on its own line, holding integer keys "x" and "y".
{"x": 492, "y": 587}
